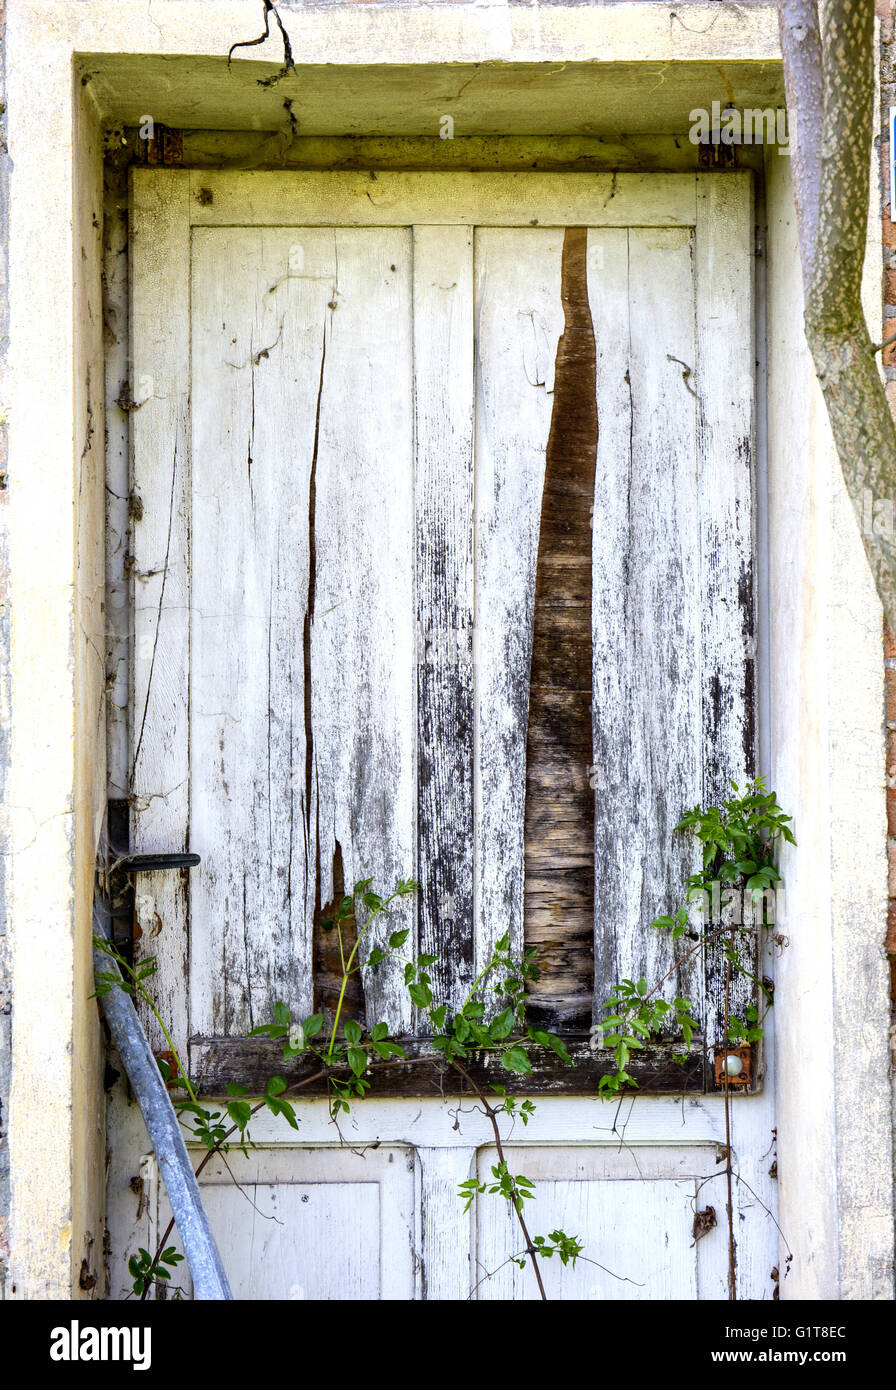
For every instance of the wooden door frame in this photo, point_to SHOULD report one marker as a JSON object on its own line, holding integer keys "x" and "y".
{"x": 168, "y": 207}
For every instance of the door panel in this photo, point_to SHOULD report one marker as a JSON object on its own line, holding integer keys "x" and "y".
{"x": 302, "y": 660}
{"x": 352, "y": 501}
{"x": 355, "y": 1212}
{"x": 347, "y": 522}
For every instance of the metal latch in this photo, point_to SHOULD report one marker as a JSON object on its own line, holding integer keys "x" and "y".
{"x": 154, "y": 863}
{"x": 115, "y": 880}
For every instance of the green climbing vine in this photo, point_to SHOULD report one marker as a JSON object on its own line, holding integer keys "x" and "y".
{"x": 738, "y": 842}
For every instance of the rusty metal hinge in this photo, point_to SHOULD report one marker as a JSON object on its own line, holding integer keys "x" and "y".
{"x": 720, "y": 156}
{"x": 163, "y": 146}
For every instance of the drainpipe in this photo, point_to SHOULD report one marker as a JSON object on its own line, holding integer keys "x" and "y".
{"x": 209, "y": 1278}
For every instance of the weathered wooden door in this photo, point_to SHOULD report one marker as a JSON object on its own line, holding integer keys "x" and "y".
{"x": 443, "y": 567}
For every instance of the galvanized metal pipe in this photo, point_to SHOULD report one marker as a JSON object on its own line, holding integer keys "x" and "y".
{"x": 209, "y": 1279}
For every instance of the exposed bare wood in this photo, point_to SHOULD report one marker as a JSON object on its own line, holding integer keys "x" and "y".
{"x": 327, "y": 965}
{"x": 559, "y": 812}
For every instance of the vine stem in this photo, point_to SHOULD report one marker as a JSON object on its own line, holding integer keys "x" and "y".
{"x": 218, "y": 1148}
{"x": 496, "y": 1130}
{"x": 347, "y": 965}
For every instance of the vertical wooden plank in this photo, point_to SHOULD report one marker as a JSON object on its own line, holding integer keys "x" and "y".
{"x": 608, "y": 291}
{"x": 647, "y": 624}
{"x": 259, "y": 324}
{"x": 160, "y": 757}
{"x": 303, "y": 607}
{"x": 445, "y": 1231}
{"x": 724, "y": 383}
{"x": 362, "y": 636}
{"x": 519, "y": 318}
{"x": 443, "y": 417}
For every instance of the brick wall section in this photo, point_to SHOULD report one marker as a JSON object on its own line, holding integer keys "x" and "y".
{"x": 886, "y": 11}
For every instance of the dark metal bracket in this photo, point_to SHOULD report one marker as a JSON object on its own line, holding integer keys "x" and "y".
{"x": 154, "y": 863}
{"x": 117, "y": 876}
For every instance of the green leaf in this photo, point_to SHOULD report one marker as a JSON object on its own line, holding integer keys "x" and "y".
{"x": 357, "y": 1060}
{"x": 376, "y": 955}
{"x": 282, "y": 1107}
{"x": 235, "y": 1089}
{"x": 276, "y": 1086}
{"x": 240, "y": 1111}
{"x": 312, "y": 1026}
{"x": 559, "y": 1046}
{"x": 398, "y": 938}
{"x": 421, "y": 995}
{"x": 353, "y": 1031}
{"x": 379, "y": 1031}
{"x": 502, "y": 1024}
{"x": 461, "y": 1027}
{"x": 437, "y": 1017}
{"x": 516, "y": 1060}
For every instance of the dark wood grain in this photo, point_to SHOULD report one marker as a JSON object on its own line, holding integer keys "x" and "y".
{"x": 559, "y": 819}
{"x": 252, "y": 1062}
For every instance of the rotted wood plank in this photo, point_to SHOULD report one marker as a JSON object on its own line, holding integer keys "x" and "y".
{"x": 362, "y": 634}
{"x": 647, "y": 604}
{"x": 253, "y": 1061}
{"x": 303, "y": 508}
{"x": 724, "y": 384}
{"x": 443, "y": 412}
{"x": 519, "y": 315}
{"x": 160, "y": 423}
{"x": 259, "y": 323}
{"x": 559, "y": 809}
